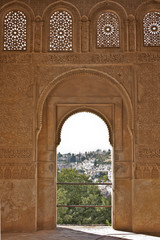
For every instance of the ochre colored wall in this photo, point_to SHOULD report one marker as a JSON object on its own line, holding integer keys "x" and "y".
{"x": 40, "y": 89}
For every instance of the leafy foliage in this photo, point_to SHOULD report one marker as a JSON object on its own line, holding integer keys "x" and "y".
{"x": 80, "y": 195}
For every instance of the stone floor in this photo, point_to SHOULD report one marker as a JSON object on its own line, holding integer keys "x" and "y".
{"x": 78, "y": 233}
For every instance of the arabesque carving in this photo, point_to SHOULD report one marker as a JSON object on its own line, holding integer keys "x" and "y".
{"x": 149, "y": 57}
{"x": 147, "y": 170}
{"x": 40, "y": 88}
{"x": 16, "y": 80}
{"x": 15, "y": 153}
{"x": 16, "y": 117}
{"x": 148, "y": 153}
{"x": 17, "y": 171}
{"x": 78, "y": 72}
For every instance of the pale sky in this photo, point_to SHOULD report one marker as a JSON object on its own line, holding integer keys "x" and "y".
{"x": 83, "y": 132}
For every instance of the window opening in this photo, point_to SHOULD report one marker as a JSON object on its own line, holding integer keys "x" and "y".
{"x": 84, "y": 178}
{"x": 61, "y": 31}
{"x": 151, "y": 26}
{"x": 15, "y": 31}
{"x": 108, "y": 30}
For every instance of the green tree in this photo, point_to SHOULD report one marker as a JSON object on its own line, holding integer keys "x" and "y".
{"x": 80, "y": 195}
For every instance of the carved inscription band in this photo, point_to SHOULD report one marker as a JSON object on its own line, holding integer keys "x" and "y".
{"x": 147, "y": 153}
{"x": 147, "y": 171}
{"x": 15, "y": 153}
{"x": 18, "y": 171}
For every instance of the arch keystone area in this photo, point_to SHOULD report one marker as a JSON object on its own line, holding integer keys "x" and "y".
{"x": 103, "y": 75}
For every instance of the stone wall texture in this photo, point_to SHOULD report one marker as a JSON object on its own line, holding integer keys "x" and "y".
{"x": 40, "y": 89}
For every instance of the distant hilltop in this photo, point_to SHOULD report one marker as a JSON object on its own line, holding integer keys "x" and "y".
{"x": 100, "y": 156}
{"x": 95, "y": 164}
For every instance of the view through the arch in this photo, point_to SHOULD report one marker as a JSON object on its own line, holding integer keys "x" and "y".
{"x": 84, "y": 171}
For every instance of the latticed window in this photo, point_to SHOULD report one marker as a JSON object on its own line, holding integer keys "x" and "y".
{"x": 15, "y": 31}
{"x": 108, "y": 30}
{"x": 151, "y": 25}
{"x": 61, "y": 31}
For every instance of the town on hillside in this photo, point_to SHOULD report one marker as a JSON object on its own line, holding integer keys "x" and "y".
{"x": 95, "y": 164}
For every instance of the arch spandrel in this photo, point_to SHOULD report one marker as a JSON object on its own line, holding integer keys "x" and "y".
{"x": 19, "y": 6}
{"x": 147, "y": 6}
{"x": 109, "y": 5}
{"x": 76, "y": 73}
{"x": 60, "y": 5}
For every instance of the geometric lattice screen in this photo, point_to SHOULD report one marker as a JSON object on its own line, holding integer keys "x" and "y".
{"x": 108, "y": 30}
{"x": 15, "y": 27}
{"x": 151, "y": 26}
{"x": 61, "y": 31}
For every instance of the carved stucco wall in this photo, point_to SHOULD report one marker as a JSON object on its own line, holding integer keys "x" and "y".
{"x": 24, "y": 80}
{"x": 85, "y": 90}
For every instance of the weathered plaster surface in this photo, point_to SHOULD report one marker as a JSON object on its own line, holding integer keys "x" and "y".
{"x": 39, "y": 90}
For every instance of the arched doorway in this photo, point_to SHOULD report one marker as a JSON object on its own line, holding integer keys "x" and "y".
{"x": 84, "y": 171}
{"x": 85, "y": 90}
